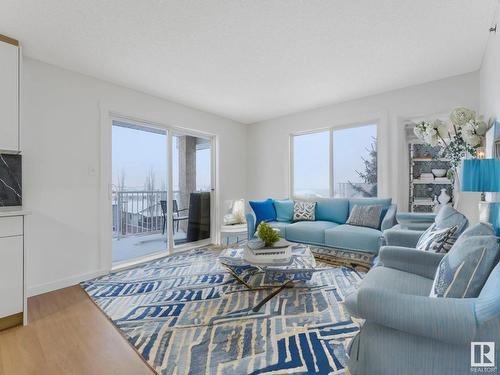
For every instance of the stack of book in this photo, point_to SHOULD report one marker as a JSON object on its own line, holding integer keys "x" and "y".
{"x": 442, "y": 179}
{"x": 280, "y": 253}
{"x": 426, "y": 176}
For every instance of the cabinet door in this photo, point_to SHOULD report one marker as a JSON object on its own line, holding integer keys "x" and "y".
{"x": 9, "y": 98}
{"x": 11, "y": 275}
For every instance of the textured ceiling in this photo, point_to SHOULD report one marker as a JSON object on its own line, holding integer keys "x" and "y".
{"x": 255, "y": 60}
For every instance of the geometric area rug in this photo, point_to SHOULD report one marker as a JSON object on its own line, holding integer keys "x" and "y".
{"x": 185, "y": 314}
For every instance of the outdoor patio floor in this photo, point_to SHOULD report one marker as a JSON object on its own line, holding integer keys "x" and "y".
{"x": 131, "y": 247}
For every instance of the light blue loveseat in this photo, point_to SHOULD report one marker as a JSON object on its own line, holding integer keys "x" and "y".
{"x": 330, "y": 228}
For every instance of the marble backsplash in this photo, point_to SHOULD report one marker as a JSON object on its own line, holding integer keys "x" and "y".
{"x": 10, "y": 180}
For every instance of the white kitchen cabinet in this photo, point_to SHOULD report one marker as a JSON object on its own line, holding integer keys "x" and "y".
{"x": 9, "y": 94}
{"x": 12, "y": 275}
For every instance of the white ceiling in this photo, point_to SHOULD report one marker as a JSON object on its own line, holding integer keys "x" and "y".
{"x": 255, "y": 60}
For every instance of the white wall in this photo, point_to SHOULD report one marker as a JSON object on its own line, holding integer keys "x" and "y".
{"x": 61, "y": 148}
{"x": 268, "y": 150}
{"x": 489, "y": 77}
{"x": 489, "y": 93}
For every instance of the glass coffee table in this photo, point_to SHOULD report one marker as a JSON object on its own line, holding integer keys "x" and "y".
{"x": 299, "y": 269}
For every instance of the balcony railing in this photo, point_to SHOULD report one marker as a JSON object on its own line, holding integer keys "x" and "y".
{"x": 348, "y": 190}
{"x": 138, "y": 212}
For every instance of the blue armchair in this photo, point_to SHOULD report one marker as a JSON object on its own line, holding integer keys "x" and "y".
{"x": 406, "y": 331}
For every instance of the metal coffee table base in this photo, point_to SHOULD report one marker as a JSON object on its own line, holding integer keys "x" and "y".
{"x": 276, "y": 289}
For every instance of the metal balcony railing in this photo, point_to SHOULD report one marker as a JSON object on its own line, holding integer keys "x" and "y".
{"x": 138, "y": 212}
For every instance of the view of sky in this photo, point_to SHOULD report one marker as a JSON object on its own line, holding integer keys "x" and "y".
{"x": 311, "y": 158}
{"x": 135, "y": 152}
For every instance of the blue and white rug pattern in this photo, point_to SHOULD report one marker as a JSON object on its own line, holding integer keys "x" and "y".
{"x": 186, "y": 315}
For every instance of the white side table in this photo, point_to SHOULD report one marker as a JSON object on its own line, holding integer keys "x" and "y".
{"x": 237, "y": 230}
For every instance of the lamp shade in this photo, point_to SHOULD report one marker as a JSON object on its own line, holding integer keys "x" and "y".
{"x": 481, "y": 175}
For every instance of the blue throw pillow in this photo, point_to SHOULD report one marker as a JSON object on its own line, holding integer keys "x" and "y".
{"x": 284, "y": 210}
{"x": 264, "y": 211}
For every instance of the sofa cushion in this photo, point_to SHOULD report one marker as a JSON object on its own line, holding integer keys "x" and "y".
{"x": 281, "y": 226}
{"x": 332, "y": 209}
{"x": 384, "y": 202}
{"x": 284, "y": 210}
{"x": 352, "y": 237}
{"x": 464, "y": 270}
{"x": 391, "y": 279}
{"x": 308, "y": 231}
{"x": 264, "y": 211}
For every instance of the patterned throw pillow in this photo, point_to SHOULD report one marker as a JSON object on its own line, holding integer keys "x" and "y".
{"x": 437, "y": 240}
{"x": 365, "y": 216}
{"x": 304, "y": 211}
{"x": 464, "y": 270}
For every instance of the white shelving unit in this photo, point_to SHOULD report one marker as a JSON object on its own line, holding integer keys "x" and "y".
{"x": 423, "y": 191}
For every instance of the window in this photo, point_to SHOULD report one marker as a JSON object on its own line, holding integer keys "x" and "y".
{"x": 342, "y": 163}
{"x": 311, "y": 164}
{"x": 355, "y": 162}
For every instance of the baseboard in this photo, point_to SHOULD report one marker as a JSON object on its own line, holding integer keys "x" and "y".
{"x": 62, "y": 283}
{"x": 11, "y": 321}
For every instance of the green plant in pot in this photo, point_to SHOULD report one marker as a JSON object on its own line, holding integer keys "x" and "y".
{"x": 267, "y": 234}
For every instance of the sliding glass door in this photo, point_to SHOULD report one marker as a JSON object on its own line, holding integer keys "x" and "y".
{"x": 162, "y": 183}
{"x": 139, "y": 191}
{"x": 192, "y": 188}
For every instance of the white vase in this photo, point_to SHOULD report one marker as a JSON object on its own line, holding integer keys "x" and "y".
{"x": 443, "y": 198}
{"x": 456, "y": 186}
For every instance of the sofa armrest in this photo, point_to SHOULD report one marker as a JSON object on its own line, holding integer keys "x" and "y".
{"x": 402, "y": 237}
{"x": 405, "y": 259}
{"x": 390, "y": 218}
{"x": 450, "y": 320}
{"x": 250, "y": 225}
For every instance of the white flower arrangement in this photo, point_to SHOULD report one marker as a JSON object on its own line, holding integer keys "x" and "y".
{"x": 461, "y": 137}
{"x": 474, "y": 131}
{"x": 461, "y": 116}
{"x": 431, "y": 132}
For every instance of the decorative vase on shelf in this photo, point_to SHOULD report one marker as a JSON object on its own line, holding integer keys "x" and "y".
{"x": 436, "y": 206}
{"x": 443, "y": 198}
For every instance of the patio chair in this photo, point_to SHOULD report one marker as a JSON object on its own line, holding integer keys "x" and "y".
{"x": 176, "y": 213}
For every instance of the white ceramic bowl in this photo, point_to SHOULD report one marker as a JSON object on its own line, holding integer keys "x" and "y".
{"x": 439, "y": 172}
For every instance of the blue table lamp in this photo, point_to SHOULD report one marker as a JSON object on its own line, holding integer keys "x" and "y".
{"x": 481, "y": 175}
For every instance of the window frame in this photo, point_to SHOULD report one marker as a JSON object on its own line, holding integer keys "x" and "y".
{"x": 331, "y": 130}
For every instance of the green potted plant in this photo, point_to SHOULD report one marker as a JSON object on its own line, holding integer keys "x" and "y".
{"x": 267, "y": 234}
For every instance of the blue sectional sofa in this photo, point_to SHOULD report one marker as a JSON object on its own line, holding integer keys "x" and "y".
{"x": 330, "y": 228}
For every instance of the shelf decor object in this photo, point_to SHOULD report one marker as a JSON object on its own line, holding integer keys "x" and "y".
{"x": 482, "y": 175}
{"x": 424, "y": 185}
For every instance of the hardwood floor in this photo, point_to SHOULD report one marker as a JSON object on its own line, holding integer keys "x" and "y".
{"x": 67, "y": 334}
